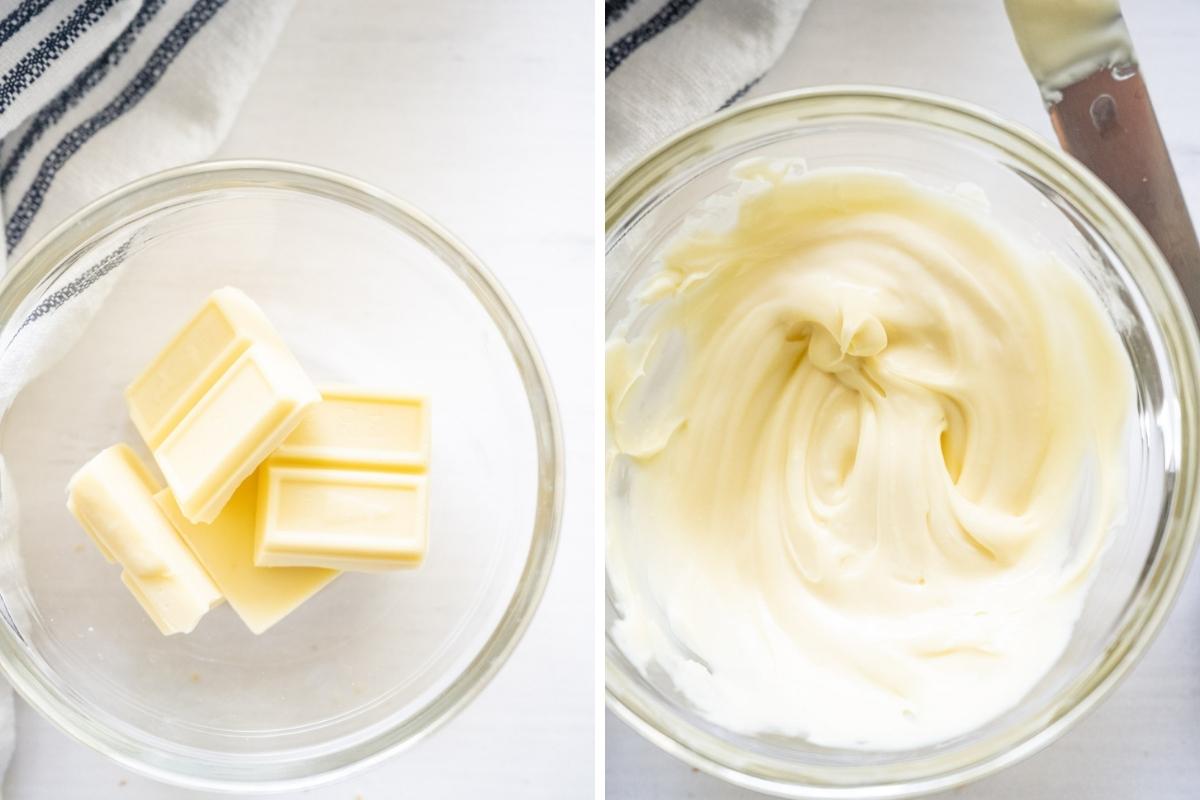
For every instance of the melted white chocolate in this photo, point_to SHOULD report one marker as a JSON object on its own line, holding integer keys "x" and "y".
{"x": 864, "y": 453}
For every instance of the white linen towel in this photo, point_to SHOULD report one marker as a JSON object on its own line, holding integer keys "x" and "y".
{"x": 94, "y": 94}
{"x": 669, "y": 63}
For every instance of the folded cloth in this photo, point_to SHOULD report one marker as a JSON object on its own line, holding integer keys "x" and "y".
{"x": 669, "y": 63}
{"x": 93, "y": 94}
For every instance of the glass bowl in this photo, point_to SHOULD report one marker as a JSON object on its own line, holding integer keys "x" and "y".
{"x": 366, "y": 290}
{"x": 1046, "y": 197}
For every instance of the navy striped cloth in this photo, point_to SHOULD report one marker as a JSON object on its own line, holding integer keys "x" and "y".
{"x": 669, "y": 63}
{"x": 94, "y": 94}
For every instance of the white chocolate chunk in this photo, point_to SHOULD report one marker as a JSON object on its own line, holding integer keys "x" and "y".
{"x": 216, "y": 401}
{"x": 261, "y": 596}
{"x": 112, "y": 496}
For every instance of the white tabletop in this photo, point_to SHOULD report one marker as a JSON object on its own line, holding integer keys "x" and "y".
{"x": 480, "y": 113}
{"x": 1141, "y": 742}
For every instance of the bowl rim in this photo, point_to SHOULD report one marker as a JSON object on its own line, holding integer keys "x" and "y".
{"x": 1175, "y": 546}
{"x": 119, "y": 207}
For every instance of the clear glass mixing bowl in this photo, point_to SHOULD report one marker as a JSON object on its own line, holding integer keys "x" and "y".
{"x": 366, "y": 290}
{"x": 1038, "y": 193}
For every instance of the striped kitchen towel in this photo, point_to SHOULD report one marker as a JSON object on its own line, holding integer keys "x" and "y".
{"x": 669, "y": 63}
{"x": 96, "y": 93}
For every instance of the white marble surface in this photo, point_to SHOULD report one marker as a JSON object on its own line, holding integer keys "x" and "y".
{"x": 1142, "y": 741}
{"x": 481, "y": 113}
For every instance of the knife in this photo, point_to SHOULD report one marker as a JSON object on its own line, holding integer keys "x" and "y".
{"x": 1082, "y": 58}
